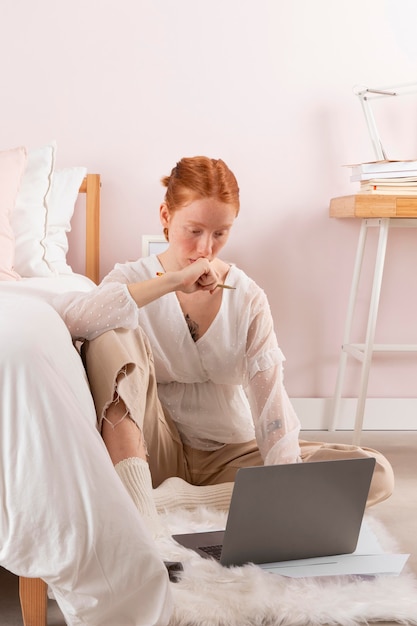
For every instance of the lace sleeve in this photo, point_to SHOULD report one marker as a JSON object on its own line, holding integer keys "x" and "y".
{"x": 276, "y": 424}
{"x": 88, "y": 315}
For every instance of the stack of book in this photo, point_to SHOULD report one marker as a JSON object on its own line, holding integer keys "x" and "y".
{"x": 386, "y": 177}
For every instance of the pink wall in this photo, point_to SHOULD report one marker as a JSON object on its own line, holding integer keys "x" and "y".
{"x": 128, "y": 88}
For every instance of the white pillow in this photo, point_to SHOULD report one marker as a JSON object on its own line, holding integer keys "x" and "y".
{"x": 12, "y": 165}
{"x": 29, "y": 215}
{"x": 42, "y": 214}
{"x": 60, "y": 204}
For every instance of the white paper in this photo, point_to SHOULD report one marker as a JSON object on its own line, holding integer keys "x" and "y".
{"x": 369, "y": 559}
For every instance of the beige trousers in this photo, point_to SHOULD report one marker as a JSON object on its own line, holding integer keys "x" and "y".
{"x": 122, "y": 360}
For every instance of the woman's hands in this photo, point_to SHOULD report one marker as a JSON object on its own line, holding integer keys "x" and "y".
{"x": 198, "y": 276}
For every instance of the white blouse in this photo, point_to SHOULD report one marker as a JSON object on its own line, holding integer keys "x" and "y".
{"x": 227, "y": 387}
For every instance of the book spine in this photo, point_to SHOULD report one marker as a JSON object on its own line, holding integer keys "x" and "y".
{"x": 372, "y": 175}
{"x": 384, "y": 167}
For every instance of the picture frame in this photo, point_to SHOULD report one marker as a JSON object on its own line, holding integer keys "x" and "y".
{"x": 153, "y": 244}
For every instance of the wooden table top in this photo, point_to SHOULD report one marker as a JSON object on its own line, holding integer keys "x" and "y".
{"x": 373, "y": 205}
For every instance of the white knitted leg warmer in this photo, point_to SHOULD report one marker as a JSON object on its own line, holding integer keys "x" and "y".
{"x": 176, "y": 492}
{"x": 136, "y": 477}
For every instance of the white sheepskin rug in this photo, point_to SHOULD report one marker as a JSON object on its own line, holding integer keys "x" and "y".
{"x": 211, "y": 595}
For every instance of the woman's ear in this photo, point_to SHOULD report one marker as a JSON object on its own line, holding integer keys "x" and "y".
{"x": 164, "y": 215}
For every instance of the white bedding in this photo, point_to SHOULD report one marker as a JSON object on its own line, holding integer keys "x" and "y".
{"x": 43, "y": 286}
{"x": 65, "y": 516}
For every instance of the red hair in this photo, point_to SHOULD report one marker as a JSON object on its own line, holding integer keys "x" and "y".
{"x": 200, "y": 177}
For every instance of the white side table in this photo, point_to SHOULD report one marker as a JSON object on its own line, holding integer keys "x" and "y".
{"x": 382, "y": 212}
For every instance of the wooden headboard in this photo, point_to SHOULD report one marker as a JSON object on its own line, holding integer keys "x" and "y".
{"x": 91, "y": 187}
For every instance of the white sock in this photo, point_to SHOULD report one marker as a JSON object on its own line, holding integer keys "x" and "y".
{"x": 136, "y": 477}
{"x": 176, "y": 492}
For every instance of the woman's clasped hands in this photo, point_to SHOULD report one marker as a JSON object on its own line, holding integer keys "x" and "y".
{"x": 199, "y": 276}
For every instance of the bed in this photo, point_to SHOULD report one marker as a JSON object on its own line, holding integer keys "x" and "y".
{"x": 65, "y": 517}
{"x": 36, "y": 207}
{"x": 33, "y": 591}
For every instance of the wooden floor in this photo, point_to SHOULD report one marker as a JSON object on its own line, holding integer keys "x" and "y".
{"x": 398, "y": 513}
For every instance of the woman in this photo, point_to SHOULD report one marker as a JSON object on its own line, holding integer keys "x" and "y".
{"x": 189, "y": 375}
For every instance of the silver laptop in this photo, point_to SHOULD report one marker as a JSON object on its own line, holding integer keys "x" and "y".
{"x": 286, "y": 512}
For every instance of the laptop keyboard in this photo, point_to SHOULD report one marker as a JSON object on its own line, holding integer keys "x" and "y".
{"x": 213, "y": 551}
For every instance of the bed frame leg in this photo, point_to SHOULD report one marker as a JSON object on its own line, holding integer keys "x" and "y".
{"x": 33, "y": 601}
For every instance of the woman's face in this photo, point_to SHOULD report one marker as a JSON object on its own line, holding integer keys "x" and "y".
{"x": 198, "y": 230}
